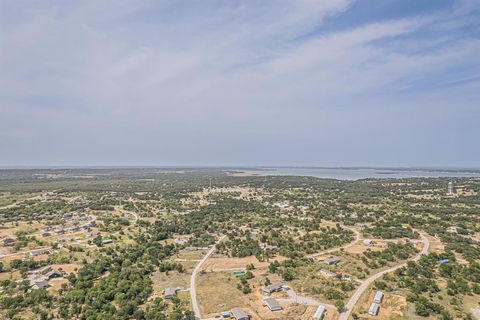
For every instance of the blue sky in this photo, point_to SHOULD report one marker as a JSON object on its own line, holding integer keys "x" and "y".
{"x": 286, "y": 82}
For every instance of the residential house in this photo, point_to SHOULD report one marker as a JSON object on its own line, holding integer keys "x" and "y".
{"x": 272, "y": 304}
{"x": 320, "y": 313}
{"x": 332, "y": 260}
{"x": 273, "y": 288}
{"x": 378, "y": 297}
{"x": 239, "y": 314}
{"x": 374, "y": 308}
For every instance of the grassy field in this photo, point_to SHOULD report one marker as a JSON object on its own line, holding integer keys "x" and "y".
{"x": 218, "y": 291}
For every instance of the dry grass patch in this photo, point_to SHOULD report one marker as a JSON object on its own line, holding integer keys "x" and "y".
{"x": 217, "y": 291}
{"x": 222, "y": 263}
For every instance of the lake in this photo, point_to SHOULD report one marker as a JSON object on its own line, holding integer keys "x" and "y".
{"x": 363, "y": 173}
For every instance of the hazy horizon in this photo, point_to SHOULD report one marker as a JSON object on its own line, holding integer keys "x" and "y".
{"x": 338, "y": 83}
{"x": 233, "y": 167}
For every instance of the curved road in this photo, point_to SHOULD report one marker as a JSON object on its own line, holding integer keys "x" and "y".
{"x": 358, "y": 293}
{"x": 346, "y": 246}
{"x": 193, "y": 292}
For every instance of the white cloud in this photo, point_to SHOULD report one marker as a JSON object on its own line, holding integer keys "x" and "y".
{"x": 103, "y": 72}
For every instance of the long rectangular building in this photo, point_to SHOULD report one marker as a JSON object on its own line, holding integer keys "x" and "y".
{"x": 378, "y": 297}
{"x": 272, "y": 304}
{"x": 239, "y": 314}
{"x": 374, "y": 308}
{"x": 320, "y": 313}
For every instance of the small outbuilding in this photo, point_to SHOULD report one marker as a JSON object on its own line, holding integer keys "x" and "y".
{"x": 169, "y": 293}
{"x": 8, "y": 241}
{"x": 368, "y": 242}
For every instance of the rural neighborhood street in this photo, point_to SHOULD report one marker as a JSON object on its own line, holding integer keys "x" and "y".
{"x": 193, "y": 292}
{"x": 348, "y": 245}
{"x": 361, "y": 289}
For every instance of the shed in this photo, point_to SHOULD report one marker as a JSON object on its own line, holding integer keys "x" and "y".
{"x": 8, "y": 241}
{"x": 367, "y": 242}
{"x": 332, "y": 260}
{"x": 374, "y": 308}
{"x": 442, "y": 261}
{"x": 378, "y": 297}
{"x": 239, "y": 314}
{"x": 272, "y": 304}
{"x": 239, "y": 273}
{"x": 169, "y": 293}
{"x": 320, "y": 313}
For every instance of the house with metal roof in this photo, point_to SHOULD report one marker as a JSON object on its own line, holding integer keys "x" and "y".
{"x": 40, "y": 284}
{"x": 320, "y": 313}
{"x": 332, "y": 260}
{"x": 38, "y": 252}
{"x": 273, "y": 288}
{"x": 239, "y": 314}
{"x": 378, "y": 297}
{"x": 272, "y": 304}
{"x": 374, "y": 308}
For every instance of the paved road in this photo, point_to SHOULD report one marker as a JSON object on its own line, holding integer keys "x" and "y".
{"x": 193, "y": 291}
{"x": 358, "y": 293}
